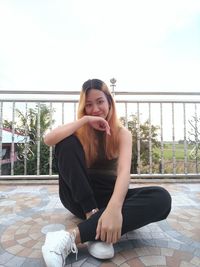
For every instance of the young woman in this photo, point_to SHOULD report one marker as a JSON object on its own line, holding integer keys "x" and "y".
{"x": 93, "y": 156}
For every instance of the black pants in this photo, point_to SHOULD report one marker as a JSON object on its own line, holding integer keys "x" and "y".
{"x": 80, "y": 193}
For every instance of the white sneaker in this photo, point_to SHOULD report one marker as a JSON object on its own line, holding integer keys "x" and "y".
{"x": 58, "y": 245}
{"x": 101, "y": 250}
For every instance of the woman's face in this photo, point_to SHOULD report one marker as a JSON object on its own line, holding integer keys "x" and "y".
{"x": 96, "y": 103}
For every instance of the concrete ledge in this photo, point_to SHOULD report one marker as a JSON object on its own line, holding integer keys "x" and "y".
{"x": 133, "y": 181}
{"x": 135, "y": 178}
{"x": 28, "y": 182}
{"x": 164, "y": 180}
{"x": 147, "y": 176}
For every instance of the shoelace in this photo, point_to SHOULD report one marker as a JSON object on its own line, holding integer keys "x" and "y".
{"x": 73, "y": 246}
{"x": 66, "y": 246}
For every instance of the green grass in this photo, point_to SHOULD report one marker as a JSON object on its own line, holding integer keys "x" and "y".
{"x": 179, "y": 151}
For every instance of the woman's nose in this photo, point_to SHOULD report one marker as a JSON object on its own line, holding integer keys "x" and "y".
{"x": 95, "y": 109}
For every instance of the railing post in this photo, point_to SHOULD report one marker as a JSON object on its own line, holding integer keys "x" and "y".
{"x": 12, "y": 145}
{"x": 185, "y": 141}
{"x": 161, "y": 167}
{"x": 38, "y": 140}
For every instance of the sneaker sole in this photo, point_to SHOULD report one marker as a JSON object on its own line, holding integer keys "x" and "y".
{"x": 105, "y": 257}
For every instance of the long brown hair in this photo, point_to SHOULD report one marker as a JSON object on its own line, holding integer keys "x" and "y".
{"x": 87, "y": 134}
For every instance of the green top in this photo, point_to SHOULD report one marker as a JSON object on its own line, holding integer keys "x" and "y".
{"x": 102, "y": 165}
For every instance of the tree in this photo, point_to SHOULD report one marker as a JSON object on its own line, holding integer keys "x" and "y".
{"x": 144, "y": 131}
{"x": 28, "y": 126}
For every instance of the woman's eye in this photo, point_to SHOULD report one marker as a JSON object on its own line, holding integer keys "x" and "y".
{"x": 88, "y": 105}
{"x": 100, "y": 102}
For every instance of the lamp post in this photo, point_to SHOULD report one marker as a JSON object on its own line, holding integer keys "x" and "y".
{"x": 113, "y": 84}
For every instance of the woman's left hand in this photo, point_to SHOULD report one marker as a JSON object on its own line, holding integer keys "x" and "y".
{"x": 109, "y": 226}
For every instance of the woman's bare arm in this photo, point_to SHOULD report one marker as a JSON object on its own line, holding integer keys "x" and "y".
{"x": 123, "y": 171}
{"x": 61, "y": 132}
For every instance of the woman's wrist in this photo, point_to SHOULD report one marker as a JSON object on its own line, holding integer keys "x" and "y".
{"x": 115, "y": 204}
{"x": 85, "y": 118}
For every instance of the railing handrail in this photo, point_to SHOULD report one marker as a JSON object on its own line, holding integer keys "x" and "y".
{"x": 62, "y": 92}
{"x": 152, "y": 96}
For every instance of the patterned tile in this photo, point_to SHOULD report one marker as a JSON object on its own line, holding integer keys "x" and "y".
{"x": 186, "y": 222}
{"x": 17, "y": 203}
{"x": 27, "y": 213}
{"x": 25, "y": 238}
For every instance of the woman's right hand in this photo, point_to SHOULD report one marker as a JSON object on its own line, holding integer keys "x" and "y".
{"x": 99, "y": 123}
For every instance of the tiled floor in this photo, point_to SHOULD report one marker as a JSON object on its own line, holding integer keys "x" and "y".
{"x": 28, "y": 212}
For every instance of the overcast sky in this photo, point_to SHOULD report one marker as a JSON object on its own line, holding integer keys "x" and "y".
{"x": 58, "y": 44}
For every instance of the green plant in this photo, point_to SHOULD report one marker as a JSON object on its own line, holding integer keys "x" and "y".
{"x": 32, "y": 126}
{"x": 144, "y": 133}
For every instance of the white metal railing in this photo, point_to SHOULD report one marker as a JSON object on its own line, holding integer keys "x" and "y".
{"x": 177, "y": 115}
